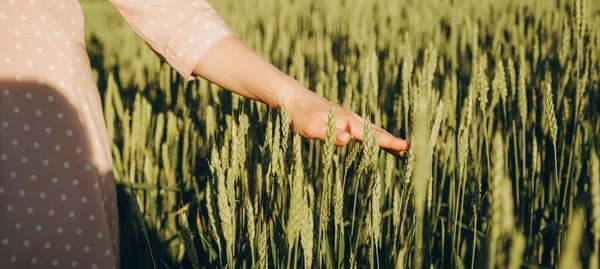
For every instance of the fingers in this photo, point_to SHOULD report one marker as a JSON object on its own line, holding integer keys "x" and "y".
{"x": 316, "y": 128}
{"x": 341, "y": 137}
{"x": 387, "y": 141}
{"x": 349, "y": 126}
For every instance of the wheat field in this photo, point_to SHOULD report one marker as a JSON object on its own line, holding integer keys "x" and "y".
{"x": 500, "y": 99}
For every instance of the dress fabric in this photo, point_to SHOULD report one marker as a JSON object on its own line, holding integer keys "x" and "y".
{"x": 57, "y": 190}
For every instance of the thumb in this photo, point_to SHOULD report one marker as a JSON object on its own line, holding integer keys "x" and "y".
{"x": 341, "y": 137}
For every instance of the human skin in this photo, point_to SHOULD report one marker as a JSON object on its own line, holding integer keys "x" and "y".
{"x": 236, "y": 67}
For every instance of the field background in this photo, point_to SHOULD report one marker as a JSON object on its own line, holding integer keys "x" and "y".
{"x": 499, "y": 98}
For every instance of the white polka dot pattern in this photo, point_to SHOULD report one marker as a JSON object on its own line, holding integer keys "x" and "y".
{"x": 195, "y": 25}
{"x": 196, "y": 28}
{"x": 53, "y": 174}
{"x": 42, "y": 19}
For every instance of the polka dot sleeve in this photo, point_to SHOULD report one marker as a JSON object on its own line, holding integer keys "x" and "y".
{"x": 179, "y": 31}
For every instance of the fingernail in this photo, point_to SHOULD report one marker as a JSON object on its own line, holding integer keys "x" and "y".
{"x": 342, "y": 137}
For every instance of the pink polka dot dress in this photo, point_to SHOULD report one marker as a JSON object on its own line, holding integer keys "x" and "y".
{"x": 57, "y": 190}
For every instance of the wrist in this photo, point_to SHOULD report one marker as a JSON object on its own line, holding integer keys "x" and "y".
{"x": 285, "y": 92}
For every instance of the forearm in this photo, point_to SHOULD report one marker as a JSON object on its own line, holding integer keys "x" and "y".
{"x": 234, "y": 66}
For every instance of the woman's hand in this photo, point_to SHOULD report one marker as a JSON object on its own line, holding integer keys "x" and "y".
{"x": 309, "y": 113}
{"x": 233, "y": 66}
